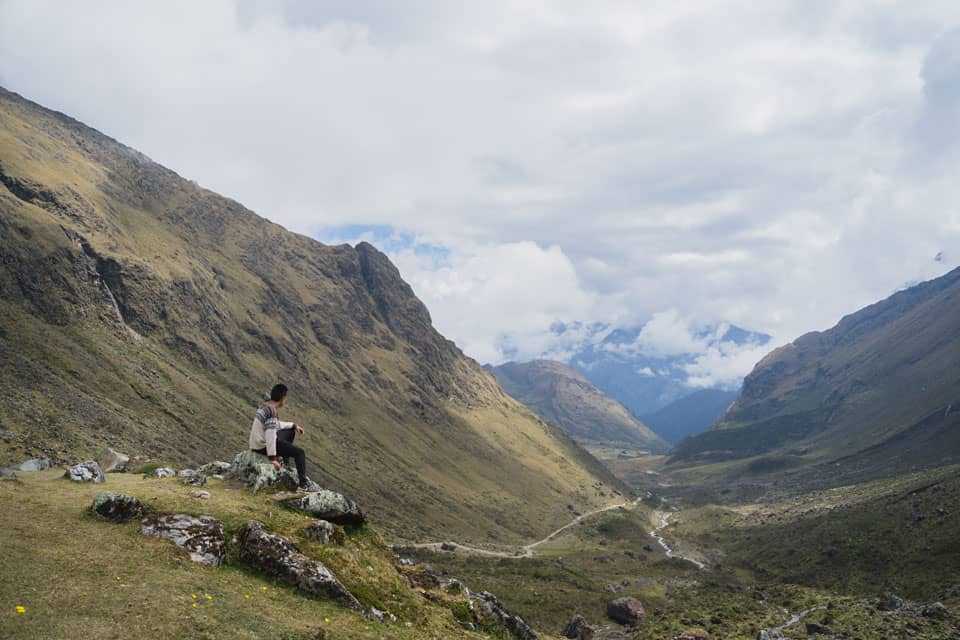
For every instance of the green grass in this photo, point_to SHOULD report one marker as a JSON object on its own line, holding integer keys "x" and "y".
{"x": 73, "y": 571}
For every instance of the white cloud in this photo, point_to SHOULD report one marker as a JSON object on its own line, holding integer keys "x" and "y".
{"x": 775, "y": 165}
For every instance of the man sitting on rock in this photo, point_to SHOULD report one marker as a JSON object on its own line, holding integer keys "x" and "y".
{"x": 264, "y": 440}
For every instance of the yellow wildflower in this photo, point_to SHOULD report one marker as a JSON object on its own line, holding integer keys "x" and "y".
{"x": 247, "y": 596}
{"x": 118, "y": 578}
{"x": 21, "y": 608}
{"x": 208, "y": 596}
{"x": 264, "y": 588}
{"x": 193, "y": 595}
{"x": 194, "y": 605}
{"x": 326, "y": 619}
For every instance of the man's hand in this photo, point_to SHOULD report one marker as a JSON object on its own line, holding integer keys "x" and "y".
{"x": 297, "y": 428}
{"x": 277, "y": 464}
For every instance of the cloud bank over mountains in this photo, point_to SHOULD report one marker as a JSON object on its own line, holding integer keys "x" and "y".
{"x": 770, "y": 165}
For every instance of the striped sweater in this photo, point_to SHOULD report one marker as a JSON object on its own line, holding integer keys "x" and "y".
{"x": 263, "y": 432}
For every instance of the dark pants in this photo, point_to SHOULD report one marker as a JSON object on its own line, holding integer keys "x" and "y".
{"x": 286, "y": 450}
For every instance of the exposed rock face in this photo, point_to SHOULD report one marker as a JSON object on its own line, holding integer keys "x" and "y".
{"x": 512, "y": 623}
{"x": 35, "y": 464}
{"x": 112, "y": 461}
{"x": 192, "y": 478}
{"x": 117, "y": 507}
{"x": 578, "y": 629}
{"x": 88, "y": 471}
{"x": 325, "y": 532}
{"x": 258, "y": 472}
{"x": 281, "y": 558}
{"x": 200, "y": 495}
{"x": 628, "y": 611}
{"x": 162, "y": 472}
{"x": 201, "y": 536}
{"x": 328, "y": 505}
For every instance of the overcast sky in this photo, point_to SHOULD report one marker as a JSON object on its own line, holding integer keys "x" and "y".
{"x": 772, "y": 164}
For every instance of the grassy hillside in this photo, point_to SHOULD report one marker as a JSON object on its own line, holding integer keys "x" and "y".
{"x": 560, "y": 395}
{"x": 144, "y": 312}
{"x": 71, "y": 570}
{"x": 874, "y": 396}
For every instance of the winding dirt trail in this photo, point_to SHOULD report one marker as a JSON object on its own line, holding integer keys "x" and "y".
{"x": 525, "y": 551}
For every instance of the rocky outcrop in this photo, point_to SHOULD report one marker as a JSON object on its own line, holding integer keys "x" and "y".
{"x": 889, "y": 602}
{"x": 328, "y": 505}
{"x": 200, "y": 495}
{"x": 200, "y": 536}
{"x": 161, "y": 472}
{"x": 35, "y": 464}
{"x": 88, "y": 471}
{"x": 578, "y": 629}
{"x": 626, "y": 611}
{"x": 7, "y": 474}
{"x": 112, "y": 461}
{"x": 325, "y": 533}
{"x": 512, "y": 623}
{"x": 257, "y": 471}
{"x": 281, "y": 558}
{"x": 216, "y": 469}
{"x": 117, "y": 507}
{"x": 192, "y": 478}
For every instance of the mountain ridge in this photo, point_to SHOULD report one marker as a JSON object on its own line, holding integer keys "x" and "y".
{"x": 561, "y": 395}
{"x": 145, "y": 312}
{"x": 864, "y": 394}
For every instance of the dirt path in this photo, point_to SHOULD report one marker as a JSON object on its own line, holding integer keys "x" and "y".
{"x": 525, "y": 551}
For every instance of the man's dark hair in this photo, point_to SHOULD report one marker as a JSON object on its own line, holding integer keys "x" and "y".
{"x": 279, "y": 392}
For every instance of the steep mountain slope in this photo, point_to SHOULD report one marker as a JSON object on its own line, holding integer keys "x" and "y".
{"x": 142, "y": 311}
{"x": 691, "y": 414}
{"x": 557, "y": 393}
{"x": 876, "y": 394}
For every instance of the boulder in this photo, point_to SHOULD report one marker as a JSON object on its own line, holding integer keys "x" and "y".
{"x": 325, "y": 532}
{"x": 216, "y": 468}
{"x": 192, "y": 478}
{"x": 88, "y": 471}
{"x": 200, "y": 495}
{"x": 627, "y": 611}
{"x": 7, "y": 474}
{"x": 936, "y": 611}
{"x": 577, "y": 629}
{"x": 281, "y": 558}
{"x": 448, "y": 546}
{"x": 328, "y": 505}
{"x": 160, "y": 472}
{"x": 770, "y": 634}
{"x": 117, "y": 507}
{"x": 815, "y": 628}
{"x": 257, "y": 471}
{"x": 35, "y": 464}
{"x": 200, "y": 536}
{"x": 512, "y": 623}
{"x": 695, "y": 633}
{"x": 889, "y": 602}
{"x": 112, "y": 461}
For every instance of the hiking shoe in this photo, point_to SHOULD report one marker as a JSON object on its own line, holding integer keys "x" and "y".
{"x": 304, "y": 488}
